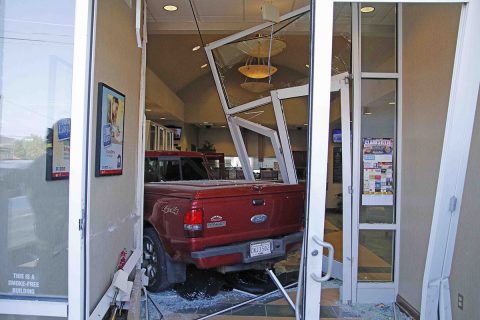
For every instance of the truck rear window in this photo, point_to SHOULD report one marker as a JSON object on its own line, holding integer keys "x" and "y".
{"x": 194, "y": 169}
{"x": 157, "y": 170}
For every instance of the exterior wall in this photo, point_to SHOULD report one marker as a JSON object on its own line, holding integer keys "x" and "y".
{"x": 112, "y": 205}
{"x": 464, "y": 279}
{"x": 429, "y": 40}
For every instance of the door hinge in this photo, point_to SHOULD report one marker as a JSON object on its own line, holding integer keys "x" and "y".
{"x": 350, "y": 190}
{"x": 453, "y": 204}
{"x": 80, "y": 224}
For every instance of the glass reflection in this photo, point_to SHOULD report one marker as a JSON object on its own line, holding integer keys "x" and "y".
{"x": 36, "y": 42}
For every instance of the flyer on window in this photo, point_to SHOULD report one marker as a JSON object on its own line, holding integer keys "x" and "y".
{"x": 58, "y": 150}
{"x": 377, "y": 172}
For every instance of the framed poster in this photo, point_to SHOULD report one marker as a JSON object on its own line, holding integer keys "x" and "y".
{"x": 377, "y": 172}
{"x": 58, "y": 150}
{"x": 110, "y": 131}
{"x": 337, "y": 164}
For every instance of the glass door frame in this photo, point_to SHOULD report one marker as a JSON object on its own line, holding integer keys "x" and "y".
{"x": 374, "y": 292}
{"x": 82, "y": 99}
{"x": 74, "y": 306}
{"x": 462, "y": 105}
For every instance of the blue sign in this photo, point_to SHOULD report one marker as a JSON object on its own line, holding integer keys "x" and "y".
{"x": 107, "y": 135}
{"x": 63, "y": 129}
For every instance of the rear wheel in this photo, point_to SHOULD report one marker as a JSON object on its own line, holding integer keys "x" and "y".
{"x": 154, "y": 261}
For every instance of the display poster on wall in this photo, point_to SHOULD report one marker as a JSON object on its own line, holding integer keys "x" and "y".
{"x": 110, "y": 131}
{"x": 58, "y": 150}
{"x": 377, "y": 172}
{"x": 337, "y": 164}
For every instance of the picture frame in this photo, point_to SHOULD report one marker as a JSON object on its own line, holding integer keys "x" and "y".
{"x": 110, "y": 131}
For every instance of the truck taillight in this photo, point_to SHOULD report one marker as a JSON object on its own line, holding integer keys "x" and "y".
{"x": 193, "y": 223}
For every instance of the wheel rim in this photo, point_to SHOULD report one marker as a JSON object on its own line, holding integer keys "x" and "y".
{"x": 149, "y": 260}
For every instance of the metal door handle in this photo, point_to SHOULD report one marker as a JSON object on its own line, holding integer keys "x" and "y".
{"x": 330, "y": 260}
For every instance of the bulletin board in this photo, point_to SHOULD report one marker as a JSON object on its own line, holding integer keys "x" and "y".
{"x": 377, "y": 157}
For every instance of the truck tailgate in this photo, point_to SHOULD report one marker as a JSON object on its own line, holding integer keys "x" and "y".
{"x": 233, "y": 211}
{"x": 257, "y": 211}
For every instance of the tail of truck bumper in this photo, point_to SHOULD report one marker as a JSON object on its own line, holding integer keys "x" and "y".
{"x": 239, "y": 253}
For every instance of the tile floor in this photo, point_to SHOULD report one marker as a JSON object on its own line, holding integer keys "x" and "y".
{"x": 274, "y": 307}
{"x": 169, "y": 306}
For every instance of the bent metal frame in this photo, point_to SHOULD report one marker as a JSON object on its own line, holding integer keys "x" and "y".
{"x": 280, "y": 139}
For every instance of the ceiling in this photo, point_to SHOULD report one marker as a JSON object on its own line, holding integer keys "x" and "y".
{"x": 172, "y": 35}
{"x": 212, "y": 15}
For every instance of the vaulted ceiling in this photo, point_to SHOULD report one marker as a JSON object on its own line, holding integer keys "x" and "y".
{"x": 172, "y": 35}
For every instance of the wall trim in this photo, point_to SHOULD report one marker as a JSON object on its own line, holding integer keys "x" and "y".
{"x": 406, "y": 307}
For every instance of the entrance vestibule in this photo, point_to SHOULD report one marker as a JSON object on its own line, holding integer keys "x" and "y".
{"x": 62, "y": 238}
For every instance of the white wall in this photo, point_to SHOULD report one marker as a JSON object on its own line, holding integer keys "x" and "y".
{"x": 465, "y": 277}
{"x": 429, "y": 37}
{"x": 112, "y": 204}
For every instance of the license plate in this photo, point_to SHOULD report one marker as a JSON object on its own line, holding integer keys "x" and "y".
{"x": 260, "y": 248}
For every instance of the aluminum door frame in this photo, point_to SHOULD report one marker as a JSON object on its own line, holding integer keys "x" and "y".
{"x": 459, "y": 126}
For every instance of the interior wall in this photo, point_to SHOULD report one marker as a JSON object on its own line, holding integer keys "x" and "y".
{"x": 202, "y": 104}
{"x": 464, "y": 278}
{"x": 222, "y": 139}
{"x": 429, "y": 41}
{"x": 189, "y": 137}
{"x": 112, "y": 206}
{"x": 163, "y": 101}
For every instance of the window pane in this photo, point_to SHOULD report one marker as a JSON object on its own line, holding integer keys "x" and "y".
{"x": 243, "y": 64}
{"x": 36, "y": 47}
{"x": 379, "y": 34}
{"x": 375, "y": 255}
{"x": 378, "y": 151}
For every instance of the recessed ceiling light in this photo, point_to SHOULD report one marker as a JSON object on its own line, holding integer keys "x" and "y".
{"x": 223, "y": 126}
{"x": 163, "y": 118}
{"x": 205, "y": 122}
{"x": 367, "y": 113}
{"x": 305, "y": 124}
{"x": 367, "y": 9}
{"x": 203, "y": 65}
{"x": 393, "y": 102}
{"x": 307, "y": 66}
{"x": 196, "y": 48}
{"x": 170, "y": 7}
{"x": 148, "y": 110}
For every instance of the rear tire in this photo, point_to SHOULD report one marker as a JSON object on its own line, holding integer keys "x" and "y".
{"x": 154, "y": 261}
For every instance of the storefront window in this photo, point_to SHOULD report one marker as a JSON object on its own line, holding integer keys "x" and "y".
{"x": 379, "y": 37}
{"x": 375, "y": 255}
{"x": 378, "y": 151}
{"x": 36, "y": 48}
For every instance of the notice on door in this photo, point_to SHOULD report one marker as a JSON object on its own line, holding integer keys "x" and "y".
{"x": 377, "y": 172}
{"x": 23, "y": 283}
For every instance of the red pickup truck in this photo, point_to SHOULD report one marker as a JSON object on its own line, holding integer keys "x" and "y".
{"x": 226, "y": 225}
